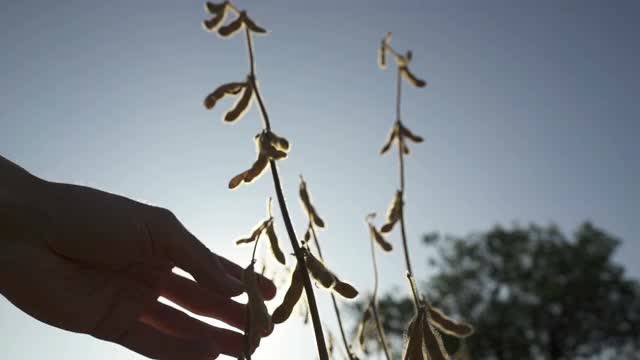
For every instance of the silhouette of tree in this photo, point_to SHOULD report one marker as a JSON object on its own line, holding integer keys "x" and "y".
{"x": 531, "y": 293}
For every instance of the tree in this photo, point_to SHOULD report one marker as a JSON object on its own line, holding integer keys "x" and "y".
{"x": 532, "y": 293}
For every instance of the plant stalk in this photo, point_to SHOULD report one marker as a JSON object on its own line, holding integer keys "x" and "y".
{"x": 308, "y": 287}
{"x": 374, "y": 302}
{"x": 403, "y": 230}
{"x": 333, "y": 297}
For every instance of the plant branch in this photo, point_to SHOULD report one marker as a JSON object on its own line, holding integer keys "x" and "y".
{"x": 333, "y": 297}
{"x": 308, "y": 287}
{"x": 401, "y": 146}
{"x": 374, "y": 301}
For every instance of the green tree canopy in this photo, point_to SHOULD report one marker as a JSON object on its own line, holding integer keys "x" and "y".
{"x": 531, "y": 293}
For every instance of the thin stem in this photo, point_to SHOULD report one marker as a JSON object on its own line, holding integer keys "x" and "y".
{"x": 374, "y": 301}
{"x": 398, "y": 95}
{"x": 333, "y": 297}
{"x": 308, "y": 287}
{"x": 401, "y": 146}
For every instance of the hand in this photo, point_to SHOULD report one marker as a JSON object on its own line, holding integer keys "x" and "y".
{"x": 92, "y": 262}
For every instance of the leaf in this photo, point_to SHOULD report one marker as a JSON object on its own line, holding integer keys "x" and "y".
{"x": 241, "y": 106}
{"x": 319, "y": 271}
{"x": 393, "y": 135}
{"x": 447, "y": 325}
{"x": 412, "y": 79}
{"x": 414, "y": 349}
{"x": 231, "y": 28}
{"x": 275, "y": 247}
{"x": 386, "y": 246}
{"x": 282, "y": 312}
{"x": 259, "y": 318}
{"x": 405, "y": 132}
{"x": 232, "y": 88}
{"x": 252, "y": 25}
{"x": 345, "y": 290}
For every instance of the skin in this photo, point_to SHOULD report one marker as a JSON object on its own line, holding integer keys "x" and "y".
{"x": 92, "y": 262}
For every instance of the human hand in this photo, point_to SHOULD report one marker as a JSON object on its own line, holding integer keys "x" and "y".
{"x": 92, "y": 262}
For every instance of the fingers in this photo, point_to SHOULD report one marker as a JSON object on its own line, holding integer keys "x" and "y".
{"x": 266, "y": 286}
{"x": 178, "y": 324}
{"x": 188, "y": 253}
{"x": 154, "y": 344}
{"x": 197, "y": 299}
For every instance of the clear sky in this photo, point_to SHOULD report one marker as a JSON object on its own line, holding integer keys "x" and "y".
{"x": 531, "y": 114}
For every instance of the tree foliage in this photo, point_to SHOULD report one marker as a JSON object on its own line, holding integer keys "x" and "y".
{"x": 531, "y": 293}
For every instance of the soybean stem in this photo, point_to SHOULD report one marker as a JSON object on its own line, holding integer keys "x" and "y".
{"x": 374, "y": 301}
{"x": 308, "y": 287}
{"x": 333, "y": 297}
{"x": 401, "y": 146}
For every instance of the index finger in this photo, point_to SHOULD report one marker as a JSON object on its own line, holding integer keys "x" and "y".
{"x": 267, "y": 287}
{"x": 181, "y": 247}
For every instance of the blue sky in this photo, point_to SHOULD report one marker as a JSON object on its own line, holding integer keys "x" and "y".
{"x": 531, "y": 114}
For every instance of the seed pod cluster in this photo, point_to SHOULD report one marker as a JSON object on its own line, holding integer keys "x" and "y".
{"x": 423, "y": 342}
{"x": 259, "y": 318}
{"x": 241, "y": 105}
{"x": 269, "y": 146}
{"x": 326, "y": 278}
{"x": 305, "y": 198}
{"x": 219, "y": 12}
{"x": 447, "y": 325}
{"x": 233, "y": 88}
{"x": 364, "y": 328}
{"x": 266, "y": 226}
{"x": 406, "y": 133}
{"x": 330, "y": 343}
{"x": 275, "y": 245}
{"x": 379, "y": 238}
{"x": 255, "y": 234}
{"x": 411, "y": 78}
{"x": 393, "y": 213}
{"x": 398, "y": 133}
{"x": 293, "y": 294}
{"x": 272, "y": 145}
{"x": 382, "y": 51}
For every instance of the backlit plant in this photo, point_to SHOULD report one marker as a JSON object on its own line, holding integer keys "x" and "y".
{"x": 423, "y": 339}
{"x": 270, "y": 149}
